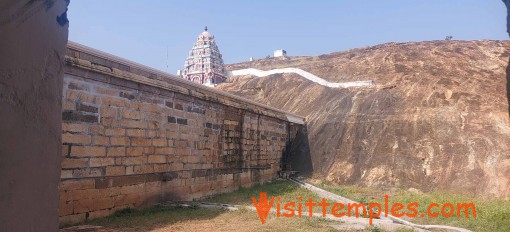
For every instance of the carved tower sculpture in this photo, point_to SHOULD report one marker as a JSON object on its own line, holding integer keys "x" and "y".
{"x": 204, "y": 64}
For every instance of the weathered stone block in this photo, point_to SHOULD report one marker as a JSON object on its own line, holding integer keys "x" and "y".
{"x": 119, "y": 141}
{"x": 91, "y": 151}
{"x": 115, "y": 132}
{"x": 74, "y": 127}
{"x": 164, "y": 150}
{"x": 115, "y": 171}
{"x": 156, "y": 159}
{"x": 108, "y": 112}
{"x": 76, "y": 116}
{"x": 101, "y": 140}
{"x": 96, "y": 130}
{"x": 68, "y": 163}
{"x": 146, "y": 168}
{"x": 86, "y": 108}
{"x": 67, "y": 185}
{"x": 72, "y": 219}
{"x": 134, "y": 160}
{"x": 116, "y": 151}
{"x": 182, "y": 152}
{"x": 76, "y": 138}
{"x": 100, "y": 213}
{"x": 133, "y": 124}
{"x": 140, "y": 142}
{"x": 65, "y": 208}
{"x": 181, "y": 143}
{"x": 135, "y": 151}
{"x": 108, "y": 101}
{"x": 135, "y": 132}
{"x": 159, "y": 142}
{"x": 132, "y": 114}
{"x": 101, "y": 162}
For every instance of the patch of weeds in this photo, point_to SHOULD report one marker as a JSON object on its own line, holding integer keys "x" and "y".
{"x": 362, "y": 199}
{"x": 405, "y": 230}
{"x": 152, "y": 217}
{"x": 374, "y": 229}
{"x": 243, "y": 209}
{"x": 194, "y": 205}
{"x": 124, "y": 212}
{"x": 287, "y": 190}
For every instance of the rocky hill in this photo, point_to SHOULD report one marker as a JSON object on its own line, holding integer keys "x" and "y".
{"x": 437, "y": 118}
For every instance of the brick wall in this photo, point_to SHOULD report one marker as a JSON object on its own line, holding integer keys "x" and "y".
{"x": 133, "y": 137}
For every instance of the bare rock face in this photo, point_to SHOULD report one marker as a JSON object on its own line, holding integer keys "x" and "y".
{"x": 436, "y": 120}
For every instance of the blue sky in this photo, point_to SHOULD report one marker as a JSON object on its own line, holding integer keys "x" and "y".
{"x": 143, "y": 31}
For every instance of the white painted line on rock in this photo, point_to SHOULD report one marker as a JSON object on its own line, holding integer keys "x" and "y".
{"x": 303, "y": 73}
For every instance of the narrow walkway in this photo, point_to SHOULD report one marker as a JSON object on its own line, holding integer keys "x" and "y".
{"x": 337, "y": 198}
{"x": 303, "y": 73}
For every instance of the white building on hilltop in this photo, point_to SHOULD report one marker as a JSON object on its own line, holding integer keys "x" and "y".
{"x": 279, "y": 53}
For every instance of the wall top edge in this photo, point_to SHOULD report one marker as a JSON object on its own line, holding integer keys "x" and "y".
{"x": 185, "y": 83}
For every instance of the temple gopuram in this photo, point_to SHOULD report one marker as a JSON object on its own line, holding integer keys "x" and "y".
{"x": 204, "y": 64}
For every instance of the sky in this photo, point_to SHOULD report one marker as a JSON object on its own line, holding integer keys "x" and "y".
{"x": 160, "y": 33}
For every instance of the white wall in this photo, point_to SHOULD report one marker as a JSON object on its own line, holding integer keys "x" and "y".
{"x": 303, "y": 73}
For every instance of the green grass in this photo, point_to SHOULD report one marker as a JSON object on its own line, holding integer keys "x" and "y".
{"x": 491, "y": 214}
{"x": 287, "y": 190}
{"x": 153, "y": 217}
{"x": 374, "y": 229}
{"x": 405, "y": 230}
{"x": 184, "y": 218}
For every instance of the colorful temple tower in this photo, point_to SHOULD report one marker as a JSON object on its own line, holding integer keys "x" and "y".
{"x": 204, "y": 64}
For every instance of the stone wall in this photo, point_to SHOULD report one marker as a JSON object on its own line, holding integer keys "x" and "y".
{"x": 133, "y": 136}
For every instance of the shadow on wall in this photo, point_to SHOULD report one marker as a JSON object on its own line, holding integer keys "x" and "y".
{"x": 296, "y": 156}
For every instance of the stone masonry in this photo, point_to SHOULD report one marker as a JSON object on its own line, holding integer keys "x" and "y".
{"x": 133, "y": 136}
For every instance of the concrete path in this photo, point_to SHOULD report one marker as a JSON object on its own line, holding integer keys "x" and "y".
{"x": 303, "y": 73}
{"x": 337, "y": 198}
